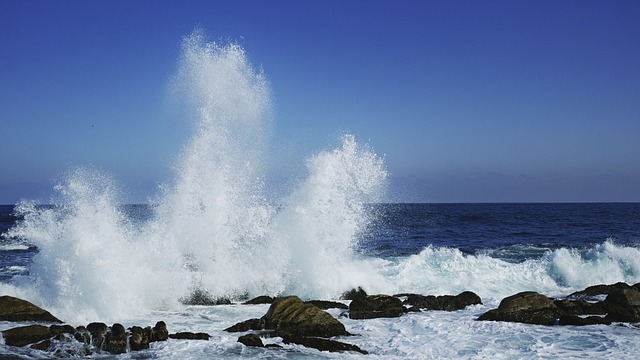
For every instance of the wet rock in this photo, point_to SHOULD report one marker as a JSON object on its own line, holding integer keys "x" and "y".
{"x": 251, "y": 324}
{"x": 97, "y": 330}
{"x": 526, "y": 307}
{"x": 321, "y": 344}
{"x": 289, "y": 315}
{"x": 595, "y": 291}
{"x": 159, "y": 332}
{"x": 25, "y": 335}
{"x": 626, "y": 297}
{"x": 203, "y": 298}
{"x": 325, "y": 305}
{"x": 580, "y": 321}
{"x": 260, "y": 300}
{"x": 353, "y": 294}
{"x": 190, "y": 336}
{"x": 444, "y": 302}
{"x": 580, "y": 307}
{"x": 15, "y": 309}
{"x": 251, "y": 340}
{"x": 140, "y": 337}
{"x": 376, "y": 306}
{"x": 115, "y": 341}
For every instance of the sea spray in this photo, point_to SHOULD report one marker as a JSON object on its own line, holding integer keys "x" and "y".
{"x": 213, "y": 230}
{"x": 323, "y": 217}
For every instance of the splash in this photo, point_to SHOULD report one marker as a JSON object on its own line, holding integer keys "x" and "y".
{"x": 214, "y": 229}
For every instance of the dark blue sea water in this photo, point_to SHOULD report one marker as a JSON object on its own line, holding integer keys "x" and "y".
{"x": 511, "y": 232}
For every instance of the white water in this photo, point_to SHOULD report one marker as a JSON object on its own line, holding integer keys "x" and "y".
{"x": 215, "y": 228}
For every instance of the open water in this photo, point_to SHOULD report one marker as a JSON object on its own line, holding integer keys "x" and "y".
{"x": 215, "y": 229}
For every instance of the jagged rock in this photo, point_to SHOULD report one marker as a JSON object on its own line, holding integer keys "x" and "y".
{"x": 159, "y": 332}
{"x": 289, "y": 315}
{"x": 325, "y": 305}
{"x": 321, "y": 344}
{"x": 376, "y": 306}
{"x": 190, "y": 336}
{"x": 251, "y": 324}
{"x": 251, "y": 340}
{"x": 444, "y": 302}
{"x": 260, "y": 300}
{"x": 15, "y": 309}
{"x": 115, "y": 341}
{"x": 526, "y": 307}
{"x": 353, "y": 294}
{"x": 580, "y": 307}
{"x": 25, "y": 335}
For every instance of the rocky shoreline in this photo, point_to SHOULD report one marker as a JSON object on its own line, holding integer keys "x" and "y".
{"x": 306, "y": 323}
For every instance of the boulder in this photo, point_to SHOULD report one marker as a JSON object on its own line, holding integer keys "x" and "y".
{"x": 321, "y": 344}
{"x": 139, "y": 338}
{"x": 186, "y": 335}
{"x": 251, "y": 340}
{"x": 15, "y": 309}
{"x": 626, "y": 297}
{"x": 159, "y": 332}
{"x": 289, "y": 315}
{"x": 444, "y": 302}
{"x": 115, "y": 341}
{"x": 26, "y": 335}
{"x": 376, "y": 306}
{"x": 593, "y": 292}
{"x": 97, "y": 330}
{"x": 526, "y": 307}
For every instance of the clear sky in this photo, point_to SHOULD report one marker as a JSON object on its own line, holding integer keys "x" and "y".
{"x": 469, "y": 100}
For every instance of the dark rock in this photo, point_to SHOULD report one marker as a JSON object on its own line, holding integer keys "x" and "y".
{"x": 204, "y": 298}
{"x": 260, "y": 300}
{"x": 626, "y": 297}
{"x": 140, "y": 338}
{"x": 321, "y": 344}
{"x": 444, "y": 302}
{"x": 526, "y": 307}
{"x": 159, "y": 332}
{"x": 97, "y": 331}
{"x": 597, "y": 290}
{"x": 353, "y": 294}
{"x": 580, "y": 307}
{"x": 251, "y": 324}
{"x": 26, "y": 335}
{"x": 289, "y": 315}
{"x": 251, "y": 340}
{"x": 376, "y": 306}
{"x": 325, "y": 305}
{"x": 190, "y": 336}
{"x": 15, "y": 309}
{"x": 82, "y": 335}
{"x": 43, "y": 345}
{"x": 115, "y": 341}
{"x": 579, "y": 321}
{"x": 61, "y": 329}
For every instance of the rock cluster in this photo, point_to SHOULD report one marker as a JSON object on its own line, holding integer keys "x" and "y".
{"x": 66, "y": 340}
{"x": 621, "y": 304}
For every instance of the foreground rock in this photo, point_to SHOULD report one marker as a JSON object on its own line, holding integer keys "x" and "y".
{"x": 14, "y": 309}
{"x": 622, "y": 304}
{"x": 296, "y": 322}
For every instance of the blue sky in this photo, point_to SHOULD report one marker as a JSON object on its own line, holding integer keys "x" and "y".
{"x": 469, "y": 100}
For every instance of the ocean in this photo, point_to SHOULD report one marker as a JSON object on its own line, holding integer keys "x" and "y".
{"x": 218, "y": 229}
{"x": 495, "y": 250}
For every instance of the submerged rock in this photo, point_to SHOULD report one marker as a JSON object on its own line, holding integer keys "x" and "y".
{"x": 251, "y": 324}
{"x": 376, "y": 306}
{"x": 15, "y": 309}
{"x": 186, "y": 335}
